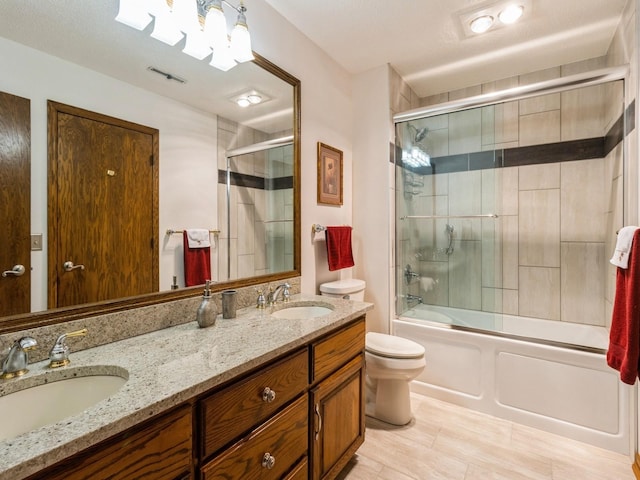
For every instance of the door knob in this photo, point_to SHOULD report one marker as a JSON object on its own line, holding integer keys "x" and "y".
{"x": 68, "y": 266}
{"x": 16, "y": 271}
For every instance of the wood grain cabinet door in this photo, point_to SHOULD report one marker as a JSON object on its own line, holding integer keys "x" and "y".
{"x": 338, "y": 425}
{"x": 15, "y": 203}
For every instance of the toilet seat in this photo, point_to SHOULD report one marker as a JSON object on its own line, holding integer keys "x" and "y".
{"x": 391, "y": 346}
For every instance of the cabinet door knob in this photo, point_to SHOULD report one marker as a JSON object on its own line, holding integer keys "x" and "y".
{"x": 268, "y": 395}
{"x": 268, "y": 461}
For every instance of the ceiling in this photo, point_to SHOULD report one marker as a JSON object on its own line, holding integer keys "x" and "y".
{"x": 423, "y": 40}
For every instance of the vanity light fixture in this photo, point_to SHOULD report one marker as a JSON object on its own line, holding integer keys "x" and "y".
{"x": 202, "y": 22}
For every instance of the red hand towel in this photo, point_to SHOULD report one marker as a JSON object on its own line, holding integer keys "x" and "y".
{"x": 339, "y": 252}
{"x": 624, "y": 338}
{"x": 197, "y": 263}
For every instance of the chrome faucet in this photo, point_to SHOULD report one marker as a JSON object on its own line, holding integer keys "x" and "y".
{"x": 15, "y": 363}
{"x": 59, "y": 353}
{"x": 272, "y": 298}
{"x": 413, "y": 298}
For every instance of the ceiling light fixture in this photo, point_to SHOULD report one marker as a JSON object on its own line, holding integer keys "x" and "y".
{"x": 202, "y": 22}
{"x": 511, "y": 14}
{"x": 494, "y": 16}
{"x": 249, "y": 98}
{"x": 481, "y": 24}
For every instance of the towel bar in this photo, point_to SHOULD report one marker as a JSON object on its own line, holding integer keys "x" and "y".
{"x": 171, "y": 231}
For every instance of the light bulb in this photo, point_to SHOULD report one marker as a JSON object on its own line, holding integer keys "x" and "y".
{"x": 215, "y": 26}
{"x": 511, "y": 14}
{"x": 243, "y": 102}
{"x": 481, "y": 24}
{"x": 254, "y": 98}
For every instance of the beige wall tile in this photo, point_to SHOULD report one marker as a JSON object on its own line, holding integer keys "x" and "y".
{"x": 539, "y": 293}
{"x": 539, "y": 177}
{"x": 465, "y": 198}
{"x": 582, "y": 286}
{"x": 246, "y": 227}
{"x": 492, "y": 300}
{"x": 491, "y": 253}
{"x": 434, "y": 99}
{"x": 582, "y": 201}
{"x": 465, "y": 275}
{"x": 539, "y": 128}
{"x": 465, "y": 92}
{"x": 510, "y": 252}
{"x": 439, "y": 271}
{"x": 539, "y": 228}
{"x": 510, "y": 302}
{"x": 583, "y": 113}
{"x": 465, "y": 132}
{"x": 541, "y": 103}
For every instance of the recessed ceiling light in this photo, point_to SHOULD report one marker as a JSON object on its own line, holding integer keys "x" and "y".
{"x": 481, "y": 24}
{"x": 243, "y": 102}
{"x": 254, "y": 98}
{"x": 511, "y": 14}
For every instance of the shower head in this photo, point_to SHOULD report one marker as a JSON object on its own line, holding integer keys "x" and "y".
{"x": 420, "y": 134}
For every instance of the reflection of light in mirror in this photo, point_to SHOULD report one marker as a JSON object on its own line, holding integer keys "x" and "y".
{"x": 416, "y": 157}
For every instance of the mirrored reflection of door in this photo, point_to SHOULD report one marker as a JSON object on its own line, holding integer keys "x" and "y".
{"x": 15, "y": 201}
{"x": 103, "y": 207}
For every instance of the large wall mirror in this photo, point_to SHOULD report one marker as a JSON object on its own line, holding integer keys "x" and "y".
{"x": 219, "y": 166}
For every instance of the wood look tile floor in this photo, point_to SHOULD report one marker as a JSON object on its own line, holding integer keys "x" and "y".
{"x": 448, "y": 442}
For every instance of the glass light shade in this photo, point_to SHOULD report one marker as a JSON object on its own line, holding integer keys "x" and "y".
{"x": 185, "y": 15}
{"x": 241, "y": 42}
{"x": 197, "y": 45}
{"x": 165, "y": 27}
{"x": 134, "y": 14}
{"x": 222, "y": 59}
{"x": 511, "y": 14}
{"x": 215, "y": 27}
{"x": 254, "y": 98}
{"x": 481, "y": 24}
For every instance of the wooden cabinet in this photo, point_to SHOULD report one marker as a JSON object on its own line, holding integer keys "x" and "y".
{"x": 296, "y": 418}
{"x": 156, "y": 450}
{"x": 337, "y": 401}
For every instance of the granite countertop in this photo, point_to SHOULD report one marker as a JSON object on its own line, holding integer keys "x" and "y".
{"x": 164, "y": 368}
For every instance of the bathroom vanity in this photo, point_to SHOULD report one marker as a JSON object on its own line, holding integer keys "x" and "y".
{"x": 251, "y": 397}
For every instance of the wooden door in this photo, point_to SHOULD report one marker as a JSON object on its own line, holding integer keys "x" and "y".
{"x": 103, "y": 207}
{"x": 15, "y": 203}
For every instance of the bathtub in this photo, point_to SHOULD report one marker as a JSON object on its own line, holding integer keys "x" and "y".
{"x": 545, "y": 374}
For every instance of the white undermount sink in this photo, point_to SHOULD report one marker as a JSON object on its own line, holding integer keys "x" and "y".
{"x": 301, "y": 312}
{"x": 45, "y": 404}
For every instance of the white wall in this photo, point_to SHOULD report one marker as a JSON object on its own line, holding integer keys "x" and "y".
{"x": 186, "y": 145}
{"x": 327, "y": 117}
{"x": 372, "y": 206}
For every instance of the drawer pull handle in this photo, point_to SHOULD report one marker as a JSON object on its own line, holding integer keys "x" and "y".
{"x": 317, "y": 409}
{"x": 268, "y": 461}
{"x": 268, "y": 395}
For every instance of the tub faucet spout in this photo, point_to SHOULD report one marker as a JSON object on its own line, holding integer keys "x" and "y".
{"x": 414, "y": 298}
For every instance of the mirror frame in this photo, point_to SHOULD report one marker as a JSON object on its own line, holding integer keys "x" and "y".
{"x": 17, "y": 323}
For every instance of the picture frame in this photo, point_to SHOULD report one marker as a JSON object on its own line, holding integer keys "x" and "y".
{"x": 329, "y": 175}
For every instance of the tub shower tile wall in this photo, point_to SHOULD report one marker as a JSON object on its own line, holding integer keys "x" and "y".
{"x": 556, "y": 222}
{"x": 261, "y": 208}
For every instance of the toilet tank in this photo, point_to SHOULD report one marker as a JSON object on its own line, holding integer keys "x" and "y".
{"x": 350, "y": 288}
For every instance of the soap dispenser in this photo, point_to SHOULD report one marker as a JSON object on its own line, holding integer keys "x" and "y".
{"x": 206, "y": 314}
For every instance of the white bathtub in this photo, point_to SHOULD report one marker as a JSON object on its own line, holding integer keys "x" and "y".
{"x": 566, "y": 390}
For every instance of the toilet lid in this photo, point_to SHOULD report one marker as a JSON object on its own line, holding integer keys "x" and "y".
{"x": 392, "y": 346}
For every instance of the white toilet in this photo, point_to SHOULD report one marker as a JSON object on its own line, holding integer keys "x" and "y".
{"x": 391, "y": 363}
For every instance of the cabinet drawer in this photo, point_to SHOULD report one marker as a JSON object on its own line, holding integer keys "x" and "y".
{"x": 284, "y": 437}
{"x": 338, "y": 349}
{"x": 238, "y": 408}
{"x": 300, "y": 472}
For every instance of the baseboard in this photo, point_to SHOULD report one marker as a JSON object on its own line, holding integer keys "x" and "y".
{"x": 636, "y": 467}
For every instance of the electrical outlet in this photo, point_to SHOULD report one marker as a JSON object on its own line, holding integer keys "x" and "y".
{"x": 36, "y": 242}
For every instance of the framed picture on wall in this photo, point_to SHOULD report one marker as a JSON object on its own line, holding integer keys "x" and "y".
{"x": 329, "y": 175}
